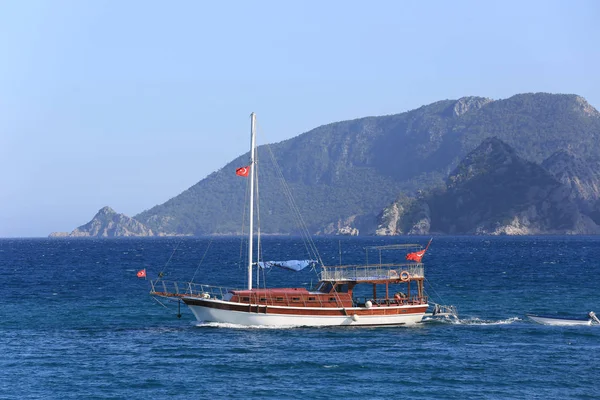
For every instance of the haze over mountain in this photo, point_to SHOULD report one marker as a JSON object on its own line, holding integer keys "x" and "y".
{"x": 342, "y": 175}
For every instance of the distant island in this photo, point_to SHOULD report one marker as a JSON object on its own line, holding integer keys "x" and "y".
{"x": 523, "y": 165}
{"x": 108, "y": 223}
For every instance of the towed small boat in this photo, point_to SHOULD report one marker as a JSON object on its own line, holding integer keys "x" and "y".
{"x": 591, "y": 319}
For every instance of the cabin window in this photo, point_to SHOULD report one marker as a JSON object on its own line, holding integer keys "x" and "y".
{"x": 263, "y": 299}
{"x": 312, "y": 299}
{"x": 342, "y": 288}
{"x": 325, "y": 287}
{"x": 245, "y": 298}
{"x": 332, "y": 299}
{"x": 295, "y": 298}
{"x": 278, "y": 298}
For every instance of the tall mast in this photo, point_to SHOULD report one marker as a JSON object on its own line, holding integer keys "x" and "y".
{"x": 251, "y": 223}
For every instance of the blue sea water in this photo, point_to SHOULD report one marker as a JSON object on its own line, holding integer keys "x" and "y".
{"x": 76, "y": 323}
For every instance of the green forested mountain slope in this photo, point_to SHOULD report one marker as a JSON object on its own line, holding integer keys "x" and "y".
{"x": 493, "y": 191}
{"x": 358, "y": 167}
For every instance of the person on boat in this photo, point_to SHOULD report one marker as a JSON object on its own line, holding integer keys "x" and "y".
{"x": 399, "y": 296}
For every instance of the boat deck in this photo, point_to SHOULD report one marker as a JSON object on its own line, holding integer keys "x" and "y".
{"x": 276, "y": 297}
{"x": 162, "y": 288}
{"x": 376, "y": 273}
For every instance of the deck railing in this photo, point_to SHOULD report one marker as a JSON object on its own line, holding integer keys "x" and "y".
{"x": 164, "y": 288}
{"x": 370, "y": 273}
{"x": 412, "y": 300}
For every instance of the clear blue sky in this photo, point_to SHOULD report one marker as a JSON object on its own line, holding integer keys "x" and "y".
{"x": 128, "y": 103}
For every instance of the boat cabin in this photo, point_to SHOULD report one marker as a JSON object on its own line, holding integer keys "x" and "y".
{"x": 369, "y": 285}
{"x": 348, "y": 286}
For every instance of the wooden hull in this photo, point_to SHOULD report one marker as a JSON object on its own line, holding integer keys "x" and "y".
{"x": 212, "y": 310}
{"x": 544, "y": 320}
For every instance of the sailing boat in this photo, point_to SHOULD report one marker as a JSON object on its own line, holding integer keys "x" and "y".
{"x": 396, "y": 295}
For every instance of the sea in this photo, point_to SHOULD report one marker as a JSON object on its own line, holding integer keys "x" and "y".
{"x": 77, "y": 323}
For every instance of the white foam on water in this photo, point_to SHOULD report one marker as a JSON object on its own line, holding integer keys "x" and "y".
{"x": 238, "y": 326}
{"x": 479, "y": 321}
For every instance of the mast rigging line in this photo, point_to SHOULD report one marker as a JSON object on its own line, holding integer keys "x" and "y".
{"x": 202, "y": 259}
{"x": 304, "y": 232}
{"x": 162, "y": 272}
{"x": 434, "y": 291}
{"x": 258, "y": 237}
{"x": 244, "y": 208}
{"x": 251, "y": 207}
{"x": 252, "y": 185}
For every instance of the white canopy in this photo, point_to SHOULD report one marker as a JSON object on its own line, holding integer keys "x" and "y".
{"x": 294, "y": 265}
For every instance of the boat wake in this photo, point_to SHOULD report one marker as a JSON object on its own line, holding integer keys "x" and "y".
{"x": 479, "y": 321}
{"x": 238, "y": 326}
{"x": 471, "y": 321}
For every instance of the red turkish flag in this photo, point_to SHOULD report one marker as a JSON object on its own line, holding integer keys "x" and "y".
{"x": 416, "y": 256}
{"x": 141, "y": 273}
{"x": 243, "y": 171}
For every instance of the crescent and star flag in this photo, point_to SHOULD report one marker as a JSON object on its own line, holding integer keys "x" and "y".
{"x": 141, "y": 273}
{"x": 418, "y": 255}
{"x": 243, "y": 171}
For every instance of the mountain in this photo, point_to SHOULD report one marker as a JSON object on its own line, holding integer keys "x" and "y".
{"x": 107, "y": 223}
{"x": 582, "y": 178}
{"x": 492, "y": 191}
{"x": 342, "y": 175}
{"x": 353, "y": 169}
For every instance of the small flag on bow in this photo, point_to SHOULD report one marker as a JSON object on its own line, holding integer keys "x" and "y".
{"x": 141, "y": 273}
